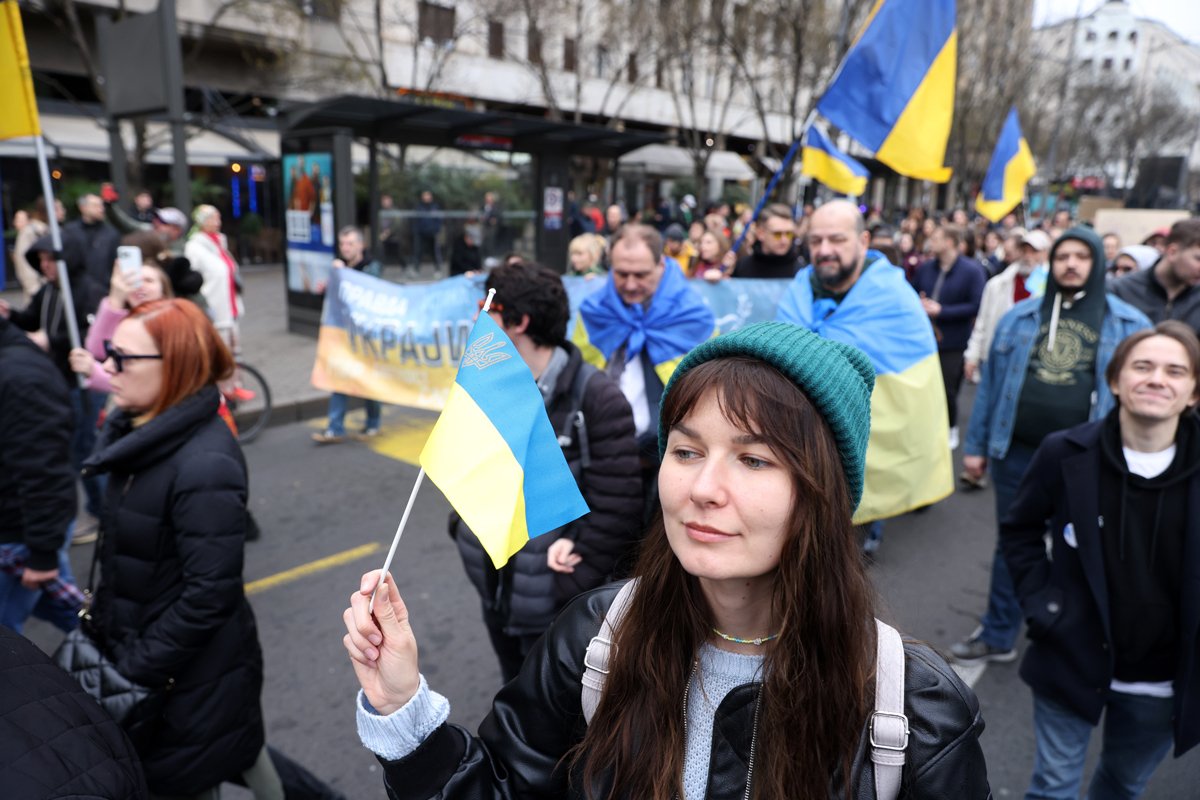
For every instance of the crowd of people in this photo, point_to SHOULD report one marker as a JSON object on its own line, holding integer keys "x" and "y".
{"x": 723, "y": 473}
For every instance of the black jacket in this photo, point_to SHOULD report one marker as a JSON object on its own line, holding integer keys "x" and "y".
{"x": 1143, "y": 291}
{"x": 55, "y": 742}
{"x": 37, "y": 484}
{"x": 765, "y": 265}
{"x": 170, "y": 605}
{"x": 46, "y": 309}
{"x": 98, "y": 241}
{"x": 537, "y": 718}
{"x": 1065, "y": 596}
{"x": 526, "y": 592}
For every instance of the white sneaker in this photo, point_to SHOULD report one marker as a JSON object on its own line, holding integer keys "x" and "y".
{"x": 954, "y": 438}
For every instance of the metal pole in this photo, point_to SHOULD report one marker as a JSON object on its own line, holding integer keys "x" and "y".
{"x": 173, "y": 76}
{"x": 64, "y": 277}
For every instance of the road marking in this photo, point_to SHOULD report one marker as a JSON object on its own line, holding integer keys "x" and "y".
{"x": 970, "y": 673}
{"x": 312, "y": 567}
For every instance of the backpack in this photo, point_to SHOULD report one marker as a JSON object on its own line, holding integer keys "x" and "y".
{"x": 888, "y": 731}
{"x": 574, "y": 424}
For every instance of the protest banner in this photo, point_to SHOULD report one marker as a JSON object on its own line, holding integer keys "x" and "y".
{"x": 402, "y": 344}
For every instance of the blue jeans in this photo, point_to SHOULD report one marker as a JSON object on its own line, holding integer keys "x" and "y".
{"x": 83, "y": 441}
{"x": 337, "y": 413}
{"x": 1137, "y": 737}
{"x": 1002, "y": 620}
{"x": 17, "y": 603}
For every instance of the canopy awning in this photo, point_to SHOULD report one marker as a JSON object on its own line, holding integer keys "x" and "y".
{"x": 671, "y": 161}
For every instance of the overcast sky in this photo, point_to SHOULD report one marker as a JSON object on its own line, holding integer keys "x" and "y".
{"x": 1181, "y": 16}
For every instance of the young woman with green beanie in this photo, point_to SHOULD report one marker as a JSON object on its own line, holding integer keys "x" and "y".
{"x": 744, "y": 662}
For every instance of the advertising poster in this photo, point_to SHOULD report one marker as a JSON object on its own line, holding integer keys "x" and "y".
{"x": 308, "y": 219}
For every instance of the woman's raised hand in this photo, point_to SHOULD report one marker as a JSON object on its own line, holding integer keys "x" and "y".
{"x": 81, "y": 361}
{"x": 381, "y": 645}
{"x": 118, "y": 289}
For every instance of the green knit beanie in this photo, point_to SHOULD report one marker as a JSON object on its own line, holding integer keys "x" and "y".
{"x": 835, "y": 377}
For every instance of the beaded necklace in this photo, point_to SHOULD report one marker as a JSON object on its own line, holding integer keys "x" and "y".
{"x": 759, "y": 640}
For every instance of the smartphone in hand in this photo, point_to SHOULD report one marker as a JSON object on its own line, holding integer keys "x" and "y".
{"x": 129, "y": 261}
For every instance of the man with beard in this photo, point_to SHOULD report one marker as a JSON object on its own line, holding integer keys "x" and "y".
{"x": 852, "y": 294}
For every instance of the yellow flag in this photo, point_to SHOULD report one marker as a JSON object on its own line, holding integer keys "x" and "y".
{"x": 18, "y": 108}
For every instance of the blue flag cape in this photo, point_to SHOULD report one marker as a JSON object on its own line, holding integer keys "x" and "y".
{"x": 676, "y": 321}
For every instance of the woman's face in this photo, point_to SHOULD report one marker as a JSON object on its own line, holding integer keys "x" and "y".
{"x": 726, "y": 496}
{"x": 139, "y": 383}
{"x": 709, "y": 248}
{"x": 906, "y": 243}
{"x": 212, "y": 223}
{"x": 695, "y": 231}
{"x": 150, "y": 289}
{"x": 581, "y": 260}
{"x": 1123, "y": 265}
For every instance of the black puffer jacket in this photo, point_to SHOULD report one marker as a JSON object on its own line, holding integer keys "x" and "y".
{"x": 537, "y": 719}
{"x": 526, "y": 592}
{"x": 170, "y": 605}
{"x": 37, "y": 484}
{"x": 55, "y": 742}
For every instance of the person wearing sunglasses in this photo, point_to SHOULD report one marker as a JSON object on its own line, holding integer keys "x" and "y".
{"x": 775, "y": 254}
{"x": 170, "y": 609}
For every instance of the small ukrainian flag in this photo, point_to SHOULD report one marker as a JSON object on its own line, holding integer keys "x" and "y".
{"x": 1010, "y": 171}
{"x": 821, "y": 160}
{"x": 493, "y": 452}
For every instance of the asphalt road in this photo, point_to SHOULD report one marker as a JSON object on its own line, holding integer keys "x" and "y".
{"x": 316, "y": 502}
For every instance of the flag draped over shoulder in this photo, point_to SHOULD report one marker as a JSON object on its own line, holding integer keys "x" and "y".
{"x": 908, "y": 452}
{"x": 493, "y": 452}
{"x": 18, "y": 108}
{"x": 821, "y": 160}
{"x": 1011, "y": 168}
{"x": 895, "y": 91}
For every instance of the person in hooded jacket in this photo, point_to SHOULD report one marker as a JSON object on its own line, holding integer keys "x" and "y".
{"x": 170, "y": 610}
{"x": 1113, "y": 611}
{"x": 1044, "y": 373}
{"x": 521, "y": 599}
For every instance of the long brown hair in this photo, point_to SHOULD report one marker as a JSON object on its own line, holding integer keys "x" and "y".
{"x": 194, "y": 355}
{"x": 817, "y": 688}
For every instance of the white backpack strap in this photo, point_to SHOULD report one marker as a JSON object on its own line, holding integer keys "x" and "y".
{"x": 889, "y": 725}
{"x": 595, "y": 660}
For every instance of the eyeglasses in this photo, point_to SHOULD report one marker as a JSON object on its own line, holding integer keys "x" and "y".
{"x": 780, "y": 235}
{"x": 119, "y": 358}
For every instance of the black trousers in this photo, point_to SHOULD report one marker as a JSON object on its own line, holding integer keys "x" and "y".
{"x": 952, "y": 377}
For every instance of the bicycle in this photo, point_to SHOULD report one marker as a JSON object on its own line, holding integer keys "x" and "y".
{"x": 249, "y": 402}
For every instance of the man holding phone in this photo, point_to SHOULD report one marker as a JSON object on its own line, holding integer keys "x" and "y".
{"x": 353, "y": 252}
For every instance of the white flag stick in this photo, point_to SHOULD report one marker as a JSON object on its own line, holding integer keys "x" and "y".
{"x": 387, "y": 562}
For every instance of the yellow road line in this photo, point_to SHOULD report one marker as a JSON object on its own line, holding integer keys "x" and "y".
{"x": 320, "y": 565}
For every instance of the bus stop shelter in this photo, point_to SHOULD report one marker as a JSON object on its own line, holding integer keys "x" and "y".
{"x": 318, "y": 176}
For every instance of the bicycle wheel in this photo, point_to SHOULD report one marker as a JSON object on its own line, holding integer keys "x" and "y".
{"x": 250, "y": 403}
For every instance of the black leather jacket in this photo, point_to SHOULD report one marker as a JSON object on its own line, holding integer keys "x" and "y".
{"x": 536, "y": 719}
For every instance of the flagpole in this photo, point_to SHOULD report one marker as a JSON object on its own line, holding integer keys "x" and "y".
{"x": 64, "y": 277}
{"x": 387, "y": 562}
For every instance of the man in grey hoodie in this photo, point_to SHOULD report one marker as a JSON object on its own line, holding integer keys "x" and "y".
{"x": 1044, "y": 373}
{"x": 1171, "y": 288}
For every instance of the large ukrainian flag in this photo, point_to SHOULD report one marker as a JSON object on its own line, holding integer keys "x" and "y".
{"x": 821, "y": 160}
{"x": 493, "y": 452}
{"x": 18, "y": 108}
{"x": 908, "y": 452}
{"x": 1011, "y": 168}
{"x": 895, "y": 90}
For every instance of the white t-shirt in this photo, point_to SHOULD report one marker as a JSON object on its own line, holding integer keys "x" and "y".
{"x": 633, "y": 386}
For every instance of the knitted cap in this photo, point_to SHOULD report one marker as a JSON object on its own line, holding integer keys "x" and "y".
{"x": 835, "y": 377}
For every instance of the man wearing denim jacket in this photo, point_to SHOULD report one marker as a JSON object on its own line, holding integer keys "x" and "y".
{"x": 1044, "y": 372}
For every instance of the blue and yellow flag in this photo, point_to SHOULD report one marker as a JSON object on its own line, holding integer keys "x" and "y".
{"x": 18, "y": 108}
{"x": 1011, "y": 168}
{"x": 895, "y": 90}
{"x": 908, "y": 451}
{"x": 493, "y": 452}
{"x": 821, "y": 160}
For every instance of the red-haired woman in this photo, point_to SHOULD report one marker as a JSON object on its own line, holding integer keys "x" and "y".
{"x": 169, "y": 609}
{"x": 745, "y": 663}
